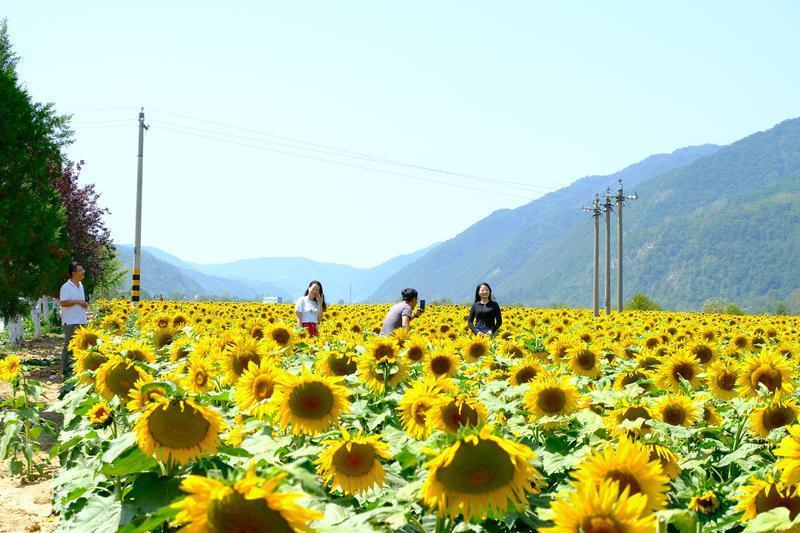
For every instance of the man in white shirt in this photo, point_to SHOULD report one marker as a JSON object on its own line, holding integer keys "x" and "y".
{"x": 73, "y": 312}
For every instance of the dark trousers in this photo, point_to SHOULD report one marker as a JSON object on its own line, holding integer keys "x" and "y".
{"x": 66, "y": 354}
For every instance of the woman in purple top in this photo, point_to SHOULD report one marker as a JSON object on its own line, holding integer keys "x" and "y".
{"x": 484, "y": 317}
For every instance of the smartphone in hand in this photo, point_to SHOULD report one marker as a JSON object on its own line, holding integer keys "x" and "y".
{"x": 422, "y": 305}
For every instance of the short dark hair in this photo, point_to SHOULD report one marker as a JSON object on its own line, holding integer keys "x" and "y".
{"x": 73, "y": 267}
{"x": 408, "y": 294}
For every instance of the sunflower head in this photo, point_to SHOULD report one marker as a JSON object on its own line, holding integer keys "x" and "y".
{"x": 766, "y": 371}
{"x": 256, "y": 387}
{"x": 759, "y": 496}
{"x": 10, "y": 367}
{"x": 118, "y": 376}
{"x": 99, "y": 414}
{"x": 479, "y": 476}
{"x": 676, "y": 410}
{"x": 773, "y": 415}
{"x": 250, "y": 504}
{"x": 442, "y": 363}
{"x": 381, "y": 374}
{"x": 334, "y": 363}
{"x": 352, "y": 464}
{"x": 679, "y": 368}
{"x": 525, "y": 371}
{"x": 472, "y": 349}
{"x": 551, "y": 396}
{"x": 706, "y": 503}
{"x": 281, "y": 334}
{"x": 311, "y": 404}
{"x": 451, "y": 414}
{"x": 421, "y": 396}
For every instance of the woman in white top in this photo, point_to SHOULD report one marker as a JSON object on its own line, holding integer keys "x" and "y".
{"x": 309, "y": 308}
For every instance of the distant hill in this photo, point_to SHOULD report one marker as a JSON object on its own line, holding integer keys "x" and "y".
{"x": 286, "y": 277}
{"x": 496, "y": 247}
{"x": 710, "y": 222}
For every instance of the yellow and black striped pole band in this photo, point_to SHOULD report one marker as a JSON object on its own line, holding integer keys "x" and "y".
{"x": 135, "y": 284}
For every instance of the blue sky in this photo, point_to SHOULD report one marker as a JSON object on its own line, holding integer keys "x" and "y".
{"x": 538, "y": 94}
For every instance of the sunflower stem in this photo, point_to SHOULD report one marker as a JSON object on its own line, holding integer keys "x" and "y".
{"x": 413, "y": 520}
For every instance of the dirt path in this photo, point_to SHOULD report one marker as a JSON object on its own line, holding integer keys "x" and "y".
{"x": 26, "y": 506}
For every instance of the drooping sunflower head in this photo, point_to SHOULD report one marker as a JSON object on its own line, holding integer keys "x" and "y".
{"x": 629, "y": 464}
{"x": 117, "y": 376}
{"x": 670, "y": 462}
{"x": 335, "y": 363}
{"x": 250, "y": 504}
{"x": 178, "y": 430}
{"x": 480, "y": 476}
{"x": 773, "y": 415}
{"x": 635, "y": 375}
{"x": 703, "y": 351}
{"x": 180, "y": 348}
{"x": 676, "y": 410}
{"x": 113, "y": 324}
{"x": 352, "y": 464}
{"x": 417, "y": 400}
{"x": 256, "y": 387}
{"x": 768, "y": 370}
{"x": 442, "y": 363}
{"x": 630, "y": 418}
{"x": 678, "y": 368}
{"x": 760, "y": 496}
{"x": 601, "y": 508}
{"x": 311, "y": 404}
{"x": 706, "y": 503}
{"x": 551, "y": 396}
{"x": 450, "y": 414}
{"x": 90, "y": 359}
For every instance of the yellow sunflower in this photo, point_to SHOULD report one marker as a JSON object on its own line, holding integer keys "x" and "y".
{"x": 380, "y": 374}
{"x": 89, "y": 359}
{"x": 583, "y": 360}
{"x": 250, "y": 504}
{"x": 334, "y": 364}
{"x": 141, "y": 398}
{"x": 415, "y": 348}
{"x": 180, "y": 349}
{"x": 136, "y": 350}
{"x": 382, "y": 349}
{"x": 551, "y": 396}
{"x": 603, "y": 508}
{"x": 450, "y": 414}
{"x": 628, "y": 462}
{"x": 473, "y": 348}
{"x": 117, "y": 376}
{"x": 525, "y": 371}
{"x": 635, "y": 375}
{"x": 703, "y": 351}
{"x": 311, "y": 404}
{"x": 707, "y": 503}
{"x": 759, "y": 496}
{"x": 281, "y": 334}
{"x": 680, "y": 366}
{"x": 256, "y": 387}
{"x": 722, "y": 377}
{"x": 199, "y": 376}
{"x": 676, "y": 410}
{"x": 775, "y": 414}
{"x": 238, "y": 356}
{"x": 352, "y": 464}
{"x": 670, "y": 463}
{"x": 788, "y": 451}
{"x": 442, "y": 363}
{"x": 481, "y": 475}
{"x": 178, "y": 430}
{"x": 629, "y": 419}
{"x": 99, "y": 414}
{"x": 766, "y": 369}
{"x": 10, "y": 367}
{"x": 86, "y": 336}
{"x": 417, "y": 400}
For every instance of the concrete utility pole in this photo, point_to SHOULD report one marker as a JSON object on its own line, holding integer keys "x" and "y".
{"x": 595, "y": 210}
{"x": 137, "y": 247}
{"x": 620, "y": 201}
{"x": 607, "y": 211}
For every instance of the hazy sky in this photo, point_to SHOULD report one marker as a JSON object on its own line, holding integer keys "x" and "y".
{"x": 532, "y": 93}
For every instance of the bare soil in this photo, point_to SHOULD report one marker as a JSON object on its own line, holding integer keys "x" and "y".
{"x": 26, "y": 505}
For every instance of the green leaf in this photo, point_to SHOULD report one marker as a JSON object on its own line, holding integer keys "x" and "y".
{"x": 744, "y": 452}
{"x": 770, "y": 521}
{"x": 151, "y": 491}
{"x": 683, "y": 520}
{"x": 99, "y": 515}
{"x": 131, "y": 461}
{"x": 118, "y": 446}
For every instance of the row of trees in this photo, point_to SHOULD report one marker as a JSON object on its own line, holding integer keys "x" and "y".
{"x": 47, "y": 218}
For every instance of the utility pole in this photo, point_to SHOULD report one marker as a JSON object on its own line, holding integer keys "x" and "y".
{"x": 607, "y": 211}
{"x": 137, "y": 247}
{"x": 620, "y": 201}
{"x": 595, "y": 210}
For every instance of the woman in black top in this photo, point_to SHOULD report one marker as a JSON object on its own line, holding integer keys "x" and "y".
{"x": 484, "y": 317}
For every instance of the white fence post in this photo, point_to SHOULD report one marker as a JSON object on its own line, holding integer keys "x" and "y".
{"x": 36, "y": 315}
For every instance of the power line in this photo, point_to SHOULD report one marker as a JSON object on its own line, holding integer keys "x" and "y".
{"x": 359, "y": 154}
{"x": 305, "y": 156}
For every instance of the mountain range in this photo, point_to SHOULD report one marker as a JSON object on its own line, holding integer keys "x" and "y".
{"x": 710, "y": 222}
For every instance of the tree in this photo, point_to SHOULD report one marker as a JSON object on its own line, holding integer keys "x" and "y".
{"x": 722, "y": 306}
{"x": 641, "y": 302}
{"x": 88, "y": 239}
{"x": 32, "y": 243}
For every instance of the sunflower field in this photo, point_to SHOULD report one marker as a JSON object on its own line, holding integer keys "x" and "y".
{"x": 225, "y": 417}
